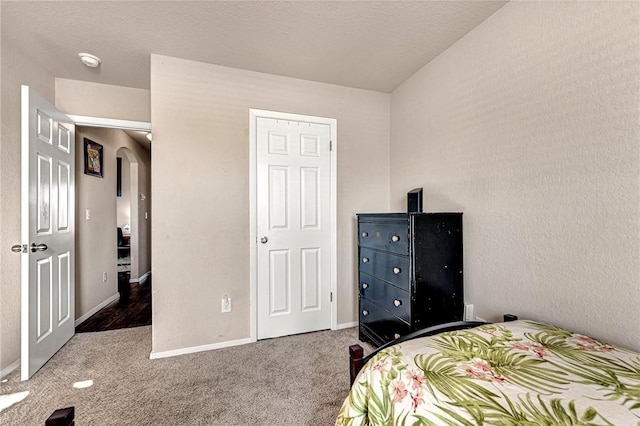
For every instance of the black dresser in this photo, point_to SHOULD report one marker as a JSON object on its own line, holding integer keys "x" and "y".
{"x": 410, "y": 273}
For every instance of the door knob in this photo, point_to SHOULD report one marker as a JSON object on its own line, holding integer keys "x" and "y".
{"x": 264, "y": 240}
{"x": 38, "y": 247}
{"x": 17, "y": 248}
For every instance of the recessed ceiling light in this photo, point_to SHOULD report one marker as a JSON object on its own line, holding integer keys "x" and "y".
{"x": 149, "y": 136}
{"x": 92, "y": 61}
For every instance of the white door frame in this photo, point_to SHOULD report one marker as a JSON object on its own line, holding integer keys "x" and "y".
{"x": 254, "y": 114}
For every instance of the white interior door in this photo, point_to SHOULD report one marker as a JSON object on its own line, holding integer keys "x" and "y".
{"x": 48, "y": 223}
{"x": 293, "y": 172}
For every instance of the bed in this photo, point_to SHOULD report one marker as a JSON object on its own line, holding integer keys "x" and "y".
{"x": 511, "y": 373}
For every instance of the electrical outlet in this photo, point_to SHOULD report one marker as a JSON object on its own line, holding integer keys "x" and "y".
{"x": 468, "y": 312}
{"x": 104, "y": 277}
{"x": 87, "y": 214}
{"x": 226, "y": 304}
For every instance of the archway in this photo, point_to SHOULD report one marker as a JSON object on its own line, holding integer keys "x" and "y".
{"x": 127, "y": 215}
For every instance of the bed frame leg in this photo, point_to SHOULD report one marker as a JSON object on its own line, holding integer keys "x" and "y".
{"x": 355, "y": 361}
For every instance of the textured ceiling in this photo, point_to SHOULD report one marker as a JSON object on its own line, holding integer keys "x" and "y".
{"x": 369, "y": 45}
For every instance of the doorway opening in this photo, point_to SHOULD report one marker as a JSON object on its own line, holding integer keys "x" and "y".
{"x": 120, "y": 205}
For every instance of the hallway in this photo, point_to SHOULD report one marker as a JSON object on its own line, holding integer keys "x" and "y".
{"x": 133, "y": 309}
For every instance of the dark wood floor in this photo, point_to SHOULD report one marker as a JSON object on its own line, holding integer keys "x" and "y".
{"x": 132, "y": 310}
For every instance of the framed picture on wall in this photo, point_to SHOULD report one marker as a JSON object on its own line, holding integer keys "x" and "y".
{"x": 93, "y": 158}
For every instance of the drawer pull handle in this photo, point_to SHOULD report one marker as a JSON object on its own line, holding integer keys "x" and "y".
{"x": 365, "y": 285}
{"x": 365, "y": 312}
{"x": 365, "y": 234}
{"x": 395, "y": 238}
{"x": 365, "y": 260}
{"x": 396, "y": 270}
{"x": 396, "y": 336}
{"x": 397, "y": 302}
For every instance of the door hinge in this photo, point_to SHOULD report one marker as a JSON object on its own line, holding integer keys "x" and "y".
{"x": 330, "y": 145}
{"x": 330, "y": 296}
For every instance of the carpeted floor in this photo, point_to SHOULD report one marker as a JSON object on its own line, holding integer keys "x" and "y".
{"x": 265, "y": 383}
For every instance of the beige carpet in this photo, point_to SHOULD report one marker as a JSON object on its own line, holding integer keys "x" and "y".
{"x": 295, "y": 380}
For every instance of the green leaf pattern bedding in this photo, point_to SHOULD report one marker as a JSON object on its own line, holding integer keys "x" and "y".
{"x": 515, "y": 373}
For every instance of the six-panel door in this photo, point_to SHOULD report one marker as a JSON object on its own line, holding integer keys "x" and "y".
{"x": 294, "y": 228}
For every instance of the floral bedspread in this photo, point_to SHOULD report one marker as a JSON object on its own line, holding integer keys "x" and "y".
{"x": 515, "y": 373}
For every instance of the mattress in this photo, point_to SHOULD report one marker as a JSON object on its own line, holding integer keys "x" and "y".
{"x": 514, "y": 373}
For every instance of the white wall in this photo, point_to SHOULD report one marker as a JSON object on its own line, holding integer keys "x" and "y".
{"x": 103, "y": 100}
{"x": 530, "y": 126}
{"x": 16, "y": 69}
{"x": 200, "y": 154}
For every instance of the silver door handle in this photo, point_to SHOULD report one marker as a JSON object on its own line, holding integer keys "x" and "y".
{"x": 264, "y": 240}
{"x": 17, "y": 248}
{"x": 38, "y": 247}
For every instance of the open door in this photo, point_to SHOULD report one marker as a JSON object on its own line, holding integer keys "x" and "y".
{"x": 48, "y": 228}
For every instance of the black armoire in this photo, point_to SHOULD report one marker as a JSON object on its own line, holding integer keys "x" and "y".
{"x": 410, "y": 273}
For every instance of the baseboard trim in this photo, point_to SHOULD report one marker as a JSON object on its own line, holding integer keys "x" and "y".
{"x": 347, "y": 325}
{"x": 97, "y": 308}
{"x": 141, "y": 279}
{"x": 5, "y": 371}
{"x": 194, "y": 349}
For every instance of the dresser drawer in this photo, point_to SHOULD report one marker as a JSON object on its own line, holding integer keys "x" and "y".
{"x": 392, "y": 237}
{"x": 381, "y": 322}
{"x": 386, "y": 266}
{"x": 389, "y": 297}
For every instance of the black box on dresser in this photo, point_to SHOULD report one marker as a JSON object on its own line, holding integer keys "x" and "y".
{"x": 409, "y": 272}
